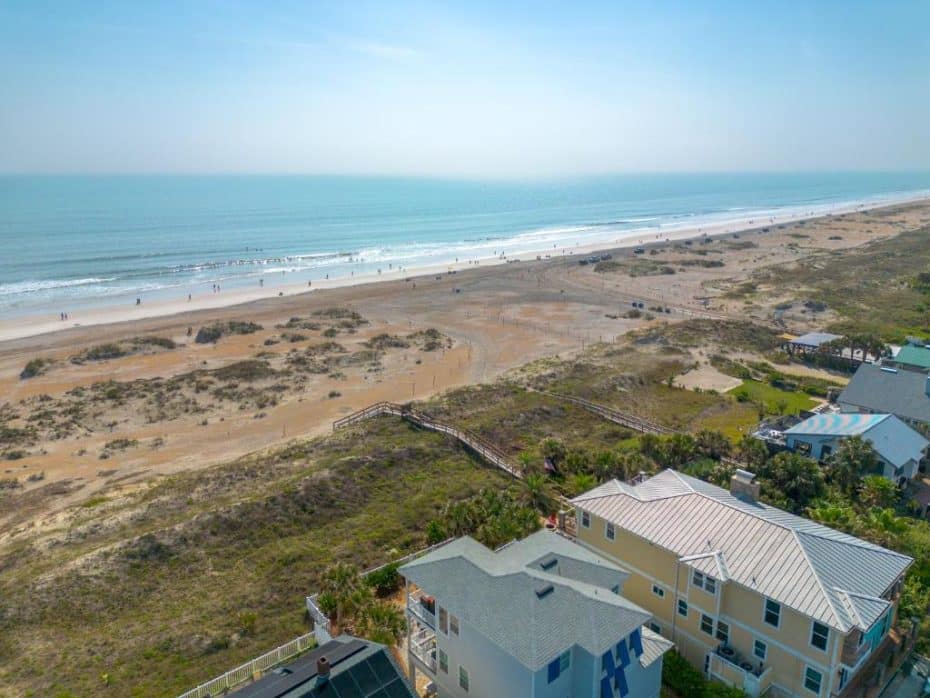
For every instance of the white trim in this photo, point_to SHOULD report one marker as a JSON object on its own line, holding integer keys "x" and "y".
{"x": 582, "y": 514}
{"x": 612, "y": 528}
{"x": 810, "y": 639}
{"x": 658, "y": 591}
{"x": 765, "y": 604}
{"x": 807, "y": 667}
{"x": 765, "y": 649}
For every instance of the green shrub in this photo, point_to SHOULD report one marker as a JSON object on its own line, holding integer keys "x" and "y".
{"x": 384, "y": 581}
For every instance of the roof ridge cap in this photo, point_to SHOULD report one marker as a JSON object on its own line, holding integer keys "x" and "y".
{"x": 820, "y": 583}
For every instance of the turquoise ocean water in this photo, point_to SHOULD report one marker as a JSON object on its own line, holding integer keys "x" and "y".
{"x": 80, "y": 240}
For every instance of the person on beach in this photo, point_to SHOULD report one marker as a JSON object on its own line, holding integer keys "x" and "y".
{"x": 138, "y": 301}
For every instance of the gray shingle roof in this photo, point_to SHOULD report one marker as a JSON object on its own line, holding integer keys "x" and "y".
{"x": 808, "y": 567}
{"x": 495, "y": 593}
{"x": 877, "y": 389}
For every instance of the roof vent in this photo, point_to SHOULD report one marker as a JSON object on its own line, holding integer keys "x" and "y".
{"x": 743, "y": 485}
{"x": 888, "y": 369}
{"x": 549, "y": 563}
{"x": 543, "y": 592}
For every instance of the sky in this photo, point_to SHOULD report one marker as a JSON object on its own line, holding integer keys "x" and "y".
{"x": 470, "y": 89}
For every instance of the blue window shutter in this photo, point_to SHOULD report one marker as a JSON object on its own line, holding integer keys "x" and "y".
{"x": 621, "y": 683}
{"x": 636, "y": 642}
{"x": 553, "y": 670}
{"x": 607, "y": 663}
{"x": 624, "y": 655}
{"x": 607, "y": 690}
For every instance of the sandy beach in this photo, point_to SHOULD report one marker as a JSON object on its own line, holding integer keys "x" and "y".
{"x": 157, "y": 410}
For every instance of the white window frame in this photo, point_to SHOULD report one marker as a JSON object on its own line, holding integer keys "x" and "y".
{"x": 756, "y": 642}
{"x": 466, "y": 684}
{"x": 682, "y": 606}
{"x": 585, "y": 519}
{"x": 443, "y": 659}
{"x": 453, "y": 624}
{"x": 658, "y": 591}
{"x": 710, "y": 621}
{"x": 610, "y": 533}
{"x": 704, "y": 581}
{"x": 655, "y": 627}
{"x": 819, "y": 690}
{"x": 726, "y": 633}
{"x": 765, "y": 604}
{"x": 826, "y": 635}
{"x": 443, "y": 613}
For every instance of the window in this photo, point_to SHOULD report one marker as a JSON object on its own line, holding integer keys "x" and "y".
{"x": 609, "y": 531}
{"x": 812, "y": 680}
{"x": 723, "y": 632}
{"x": 772, "y": 612}
{"x": 585, "y": 519}
{"x": 707, "y": 624}
{"x": 705, "y": 582}
{"x": 655, "y": 627}
{"x": 820, "y": 633}
{"x": 759, "y": 649}
{"x": 443, "y": 662}
{"x": 444, "y": 620}
{"x": 682, "y": 608}
{"x": 559, "y": 665}
{"x": 463, "y": 679}
{"x": 658, "y": 591}
{"x": 615, "y": 589}
{"x": 454, "y": 624}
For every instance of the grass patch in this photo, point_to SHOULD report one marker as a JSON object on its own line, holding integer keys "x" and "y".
{"x": 774, "y": 401}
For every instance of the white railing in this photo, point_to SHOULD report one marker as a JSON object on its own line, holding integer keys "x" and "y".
{"x": 415, "y": 606}
{"x": 247, "y": 671}
{"x": 321, "y": 625}
{"x": 423, "y": 647}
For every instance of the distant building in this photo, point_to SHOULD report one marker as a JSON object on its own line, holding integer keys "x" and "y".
{"x": 913, "y": 356}
{"x": 772, "y": 603}
{"x": 810, "y": 342}
{"x": 541, "y": 617}
{"x": 897, "y": 445}
{"x": 345, "y": 667}
{"x": 886, "y": 390}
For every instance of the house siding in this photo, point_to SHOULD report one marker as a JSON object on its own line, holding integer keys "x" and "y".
{"x": 789, "y": 651}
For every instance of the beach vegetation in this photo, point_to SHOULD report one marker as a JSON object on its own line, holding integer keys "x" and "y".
{"x": 35, "y": 367}
{"x": 210, "y": 334}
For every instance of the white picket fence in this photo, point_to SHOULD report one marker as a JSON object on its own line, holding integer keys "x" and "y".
{"x": 245, "y": 672}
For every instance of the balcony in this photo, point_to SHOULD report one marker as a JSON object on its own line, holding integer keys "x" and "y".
{"x": 729, "y": 666}
{"x": 422, "y": 606}
{"x": 423, "y": 645}
{"x": 854, "y": 653}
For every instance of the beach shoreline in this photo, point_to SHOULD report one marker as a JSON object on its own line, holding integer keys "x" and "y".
{"x": 31, "y": 325}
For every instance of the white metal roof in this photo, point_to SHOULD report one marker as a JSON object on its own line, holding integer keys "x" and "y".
{"x": 808, "y": 567}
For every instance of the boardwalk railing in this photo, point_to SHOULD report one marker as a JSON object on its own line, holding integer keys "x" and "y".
{"x": 247, "y": 671}
{"x": 610, "y": 414}
{"x": 484, "y": 448}
{"x": 630, "y": 421}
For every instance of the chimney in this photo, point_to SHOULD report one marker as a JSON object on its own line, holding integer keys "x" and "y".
{"x": 322, "y": 670}
{"x": 743, "y": 486}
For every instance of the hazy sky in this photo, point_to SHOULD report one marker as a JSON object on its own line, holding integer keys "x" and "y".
{"x": 473, "y": 88}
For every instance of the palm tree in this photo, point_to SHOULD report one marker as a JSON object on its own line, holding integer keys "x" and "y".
{"x": 340, "y": 581}
{"x": 383, "y": 622}
{"x": 712, "y": 444}
{"x": 833, "y": 515}
{"x": 535, "y": 493}
{"x": 752, "y": 451}
{"x": 798, "y": 477}
{"x": 884, "y": 526}
{"x": 580, "y": 482}
{"x": 854, "y": 458}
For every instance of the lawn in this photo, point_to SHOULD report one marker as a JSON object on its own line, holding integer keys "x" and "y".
{"x": 775, "y": 401}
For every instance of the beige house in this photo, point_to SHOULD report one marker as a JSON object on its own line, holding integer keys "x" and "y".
{"x": 751, "y": 595}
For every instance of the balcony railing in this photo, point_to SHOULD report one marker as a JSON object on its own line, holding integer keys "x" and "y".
{"x": 423, "y": 606}
{"x": 728, "y": 666}
{"x": 423, "y": 646}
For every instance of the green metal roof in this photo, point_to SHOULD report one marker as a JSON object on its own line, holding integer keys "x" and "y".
{"x": 914, "y": 356}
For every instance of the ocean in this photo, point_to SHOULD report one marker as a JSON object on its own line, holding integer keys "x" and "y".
{"x": 78, "y": 241}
